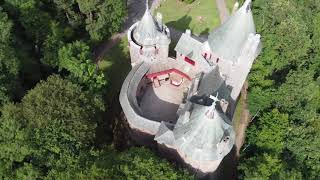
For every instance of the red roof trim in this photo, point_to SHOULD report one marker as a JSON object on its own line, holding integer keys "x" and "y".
{"x": 173, "y": 70}
{"x": 190, "y": 61}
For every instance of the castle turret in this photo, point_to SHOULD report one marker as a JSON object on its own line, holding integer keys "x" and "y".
{"x": 202, "y": 137}
{"x": 234, "y": 46}
{"x": 149, "y": 39}
{"x": 146, "y": 32}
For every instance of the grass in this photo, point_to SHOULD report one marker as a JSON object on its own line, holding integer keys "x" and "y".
{"x": 238, "y": 113}
{"x": 230, "y": 4}
{"x": 116, "y": 65}
{"x": 201, "y": 16}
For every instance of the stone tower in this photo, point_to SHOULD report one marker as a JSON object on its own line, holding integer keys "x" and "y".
{"x": 148, "y": 39}
{"x": 234, "y": 46}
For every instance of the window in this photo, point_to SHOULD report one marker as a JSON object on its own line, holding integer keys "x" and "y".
{"x": 156, "y": 51}
{"x": 190, "y": 61}
{"x": 217, "y": 60}
{"x": 207, "y": 56}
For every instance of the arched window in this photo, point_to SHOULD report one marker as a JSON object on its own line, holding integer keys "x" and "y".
{"x": 156, "y": 50}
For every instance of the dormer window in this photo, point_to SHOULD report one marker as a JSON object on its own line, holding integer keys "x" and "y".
{"x": 207, "y": 56}
{"x": 190, "y": 61}
{"x": 156, "y": 50}
{"x": 226, "y": 139}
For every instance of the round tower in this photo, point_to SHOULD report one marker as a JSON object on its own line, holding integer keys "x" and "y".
{"x": 148, "y": 39}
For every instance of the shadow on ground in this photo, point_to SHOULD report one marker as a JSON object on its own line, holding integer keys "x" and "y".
{"x": 227, "y": 168}
{"x": 115, "y": 65}
{"x": 182, "y": 23}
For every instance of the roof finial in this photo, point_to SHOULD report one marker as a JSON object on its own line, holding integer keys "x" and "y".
{"x": 147, "y": 5}
{"x": 215, "y": 99}
{"x": 210, "y": 112}
{"x": 247, "y": 5}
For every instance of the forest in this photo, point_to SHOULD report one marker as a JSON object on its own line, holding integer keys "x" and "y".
{"x": 53, "y": 107}
{"x": 52, "y": 96}
{"x": 283, "y": 139}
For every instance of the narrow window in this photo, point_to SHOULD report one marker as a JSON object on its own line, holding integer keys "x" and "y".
{"x": 190, "y": 61}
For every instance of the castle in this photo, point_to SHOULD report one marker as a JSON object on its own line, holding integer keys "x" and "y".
{"x": 185, "y": 104}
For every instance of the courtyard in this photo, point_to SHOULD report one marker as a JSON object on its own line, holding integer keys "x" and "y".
{"x": 161, "y": 103}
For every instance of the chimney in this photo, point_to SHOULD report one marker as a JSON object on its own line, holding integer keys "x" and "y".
{"x": 159, "y": 21}
{"x": 235, "y": 7}
{"x": 188, "y": 32}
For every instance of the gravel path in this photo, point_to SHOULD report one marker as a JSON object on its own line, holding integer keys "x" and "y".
{"x": 223, "y": 11}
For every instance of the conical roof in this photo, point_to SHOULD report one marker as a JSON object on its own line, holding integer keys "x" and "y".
{"x": 227, "y": 40}
{"x": 203, "y": 138}
{"x": 146, "y": 33}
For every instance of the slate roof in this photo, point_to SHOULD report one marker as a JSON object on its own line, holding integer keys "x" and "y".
{"x": 212, "y": 83}
{"x": 189, "y": 46}
{"x": 192, "y": 48}
{"x": 147, "y": 32}
{"x": 227, "y": 40}
{"x": 202, "y": 137}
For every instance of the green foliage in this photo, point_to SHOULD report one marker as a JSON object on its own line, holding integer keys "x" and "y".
{"x": 100, "y": 18}
{"x": 103, "y": 18}
{"x": 14, "y": 148}
{"x": 139, "y": 163}
{"x": 269, "y": 132}
{"x": 9, "y": 64}
{"x": 53, "y": 126}
{"x": 264, "y": 166}
{"x": 285, "y": 77}
{"x": 76, "y": 59}
{"x": 51, "y": 46}
{"x": 267, "y": 137}
{"x": 57, "y": 101}
{"x": 188, "y": 1}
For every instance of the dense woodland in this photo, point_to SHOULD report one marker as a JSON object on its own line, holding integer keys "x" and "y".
{"x": 52, "y": 95}
{"x": 283, "y": 140}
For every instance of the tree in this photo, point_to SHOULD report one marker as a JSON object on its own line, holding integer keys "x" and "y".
{"x": 14, "y": 136}
{"x": 269, "y": 132}
{"x": 99, "y": 18}
{"x": 266, "y": 138}
{"x": 109, "y": 17}
{"x": 262, "y": 166}
{"x": 75, "y": 58}
{"x": 140, "y": 163}
{"x": 54, "y": 41}
{"x": 35, "y": 21}
{"x": 9, "y": 64}
{"x": 285, "y": 77}
{"x": 53, "y": 128}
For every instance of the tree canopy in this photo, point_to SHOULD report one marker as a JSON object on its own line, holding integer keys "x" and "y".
{"x": 285, "y": 91}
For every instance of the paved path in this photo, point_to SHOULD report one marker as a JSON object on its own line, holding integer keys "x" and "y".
{"x": 223, "y": 11}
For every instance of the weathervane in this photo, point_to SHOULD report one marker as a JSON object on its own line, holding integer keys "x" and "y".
{"x": 147, "y": 5}
{"x": 215, "y": 99}
{"x": 210, "y": 112}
